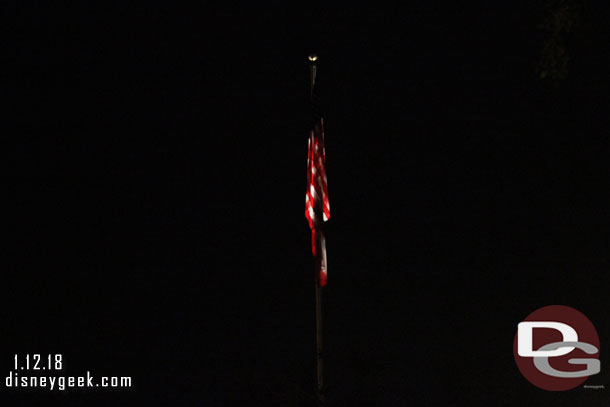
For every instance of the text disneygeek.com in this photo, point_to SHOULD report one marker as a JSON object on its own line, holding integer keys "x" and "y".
{"x": 23, "y": 377}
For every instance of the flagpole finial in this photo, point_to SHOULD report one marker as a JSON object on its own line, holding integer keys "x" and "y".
{"x": 312, "y": 71}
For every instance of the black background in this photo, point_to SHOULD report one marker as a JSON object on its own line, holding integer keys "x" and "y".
{"x": 156, "y": 170}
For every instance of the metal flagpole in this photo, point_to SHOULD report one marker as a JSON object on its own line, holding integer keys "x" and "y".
{"x": 320, "y": 361}
{"x": 319, "y": 236}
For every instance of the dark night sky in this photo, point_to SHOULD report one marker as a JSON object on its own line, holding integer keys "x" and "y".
{"x": 156, "y": 172}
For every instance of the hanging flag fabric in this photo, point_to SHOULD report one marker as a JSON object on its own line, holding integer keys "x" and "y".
{"x": 317, "y": 208}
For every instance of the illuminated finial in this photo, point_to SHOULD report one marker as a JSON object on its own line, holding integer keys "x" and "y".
{"x": 313, "y": 57}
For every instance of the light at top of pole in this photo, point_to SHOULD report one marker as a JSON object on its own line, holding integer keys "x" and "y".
{"x": 313, "y": 58}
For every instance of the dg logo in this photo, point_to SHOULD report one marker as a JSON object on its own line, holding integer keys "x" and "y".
{"x": 556, "y": 348}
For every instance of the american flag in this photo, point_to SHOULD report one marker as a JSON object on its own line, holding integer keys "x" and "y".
{"x": 317, "y": 208}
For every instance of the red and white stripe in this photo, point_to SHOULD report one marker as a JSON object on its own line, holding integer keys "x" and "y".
{"x": 317, "y": 207}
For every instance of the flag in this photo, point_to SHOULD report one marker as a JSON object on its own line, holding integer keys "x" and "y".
{"x": 317, "y": 208}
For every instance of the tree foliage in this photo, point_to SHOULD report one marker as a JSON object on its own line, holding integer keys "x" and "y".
{"x": 562, "y": 18}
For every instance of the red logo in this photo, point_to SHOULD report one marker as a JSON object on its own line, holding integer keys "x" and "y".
{"x": 556, "y": 348}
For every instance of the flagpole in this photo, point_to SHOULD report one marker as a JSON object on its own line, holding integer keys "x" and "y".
{"x": 319, "y": 360}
